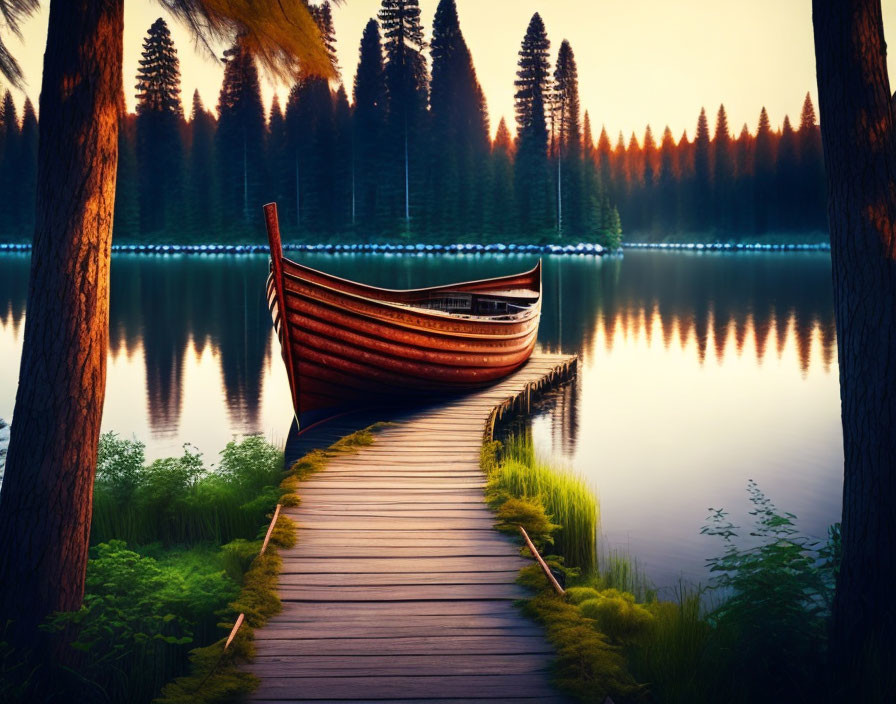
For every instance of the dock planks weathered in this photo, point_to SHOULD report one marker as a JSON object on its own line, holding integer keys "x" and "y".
{"x": 399, "y": 588}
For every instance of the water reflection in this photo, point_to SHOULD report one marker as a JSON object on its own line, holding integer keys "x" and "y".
{"x": 697, "y": 372}
{"x": 720, "y": 303}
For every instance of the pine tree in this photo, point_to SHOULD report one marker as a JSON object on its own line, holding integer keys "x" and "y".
{"x": 10, "y": 184}
{"x": 127, "y": 182}
{"x": 763, "y": 172}
{"x": 277, "y": 153}
{"x": 533, "y": 79}
{"x": 619, "y": 175}
{"x": 568, "y": 135}
{"x": 667, "y": 186}
{"x": 532, "y": 180}
{"x": 319, "y": 178}
{"x": 369, "y": 130}
{"x": 605, "y": 161}
{"x": 28, "y": 167}
{"x": 343, "y": 153}
{"x": 239, "y": 140}
{"x": 591, "y": 191}
{"x": 813, "y": 189}
{"x": 701, "y": 198}
{"x": 501, "y": 205}
{"x": 634, "y": 174}
{"x": 723, "y": 174}
{"x": 201, "y": 172}
{"x": 459, "y": 130}
{"x": 407, "y": 96}
{"x": 745, "y": 221}
{"x": 159, "y": 118}
{"x": 787, "y": 179}
{"x": 301, "y": 127}
{"x": 651, "y": 165}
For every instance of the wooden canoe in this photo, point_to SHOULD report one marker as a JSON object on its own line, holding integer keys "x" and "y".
{"x": 348, "y": 345}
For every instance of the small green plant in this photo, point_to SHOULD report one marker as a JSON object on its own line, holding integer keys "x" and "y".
{"x": 777, "y": 588}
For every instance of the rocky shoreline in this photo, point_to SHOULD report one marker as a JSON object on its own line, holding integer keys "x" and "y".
{"x": 581, "y": 248}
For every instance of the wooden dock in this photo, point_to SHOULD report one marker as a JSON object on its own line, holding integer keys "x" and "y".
{"x": 399, "y": 588}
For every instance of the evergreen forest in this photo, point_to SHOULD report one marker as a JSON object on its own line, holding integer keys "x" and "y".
{"x": 405, "y": 153}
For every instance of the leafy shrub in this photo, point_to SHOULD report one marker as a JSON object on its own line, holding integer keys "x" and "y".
{"x": 138, "y": 617}
{"x": 778, "y": 589}
{"x": 617, "y": 615}
{"x": 180, "y": 500}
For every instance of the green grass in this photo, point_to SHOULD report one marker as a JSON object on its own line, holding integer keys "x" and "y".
{"x": 521, "y": 477}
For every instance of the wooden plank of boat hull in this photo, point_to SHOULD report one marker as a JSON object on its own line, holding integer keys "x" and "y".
{"x": 399, "y": 588}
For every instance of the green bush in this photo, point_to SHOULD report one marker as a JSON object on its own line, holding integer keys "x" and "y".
{"x": 180, "y": 500}
{"x": 139, "y": 616}
{"x": 617, "y": 615}
{"x": 159, "y": 582}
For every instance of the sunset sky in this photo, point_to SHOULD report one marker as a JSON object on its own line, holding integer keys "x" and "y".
{"x": 639, "y": 61}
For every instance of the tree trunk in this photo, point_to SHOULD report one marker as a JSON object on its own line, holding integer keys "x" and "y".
{"x": 46, "y": 502}
{"x": 859, "y": 134}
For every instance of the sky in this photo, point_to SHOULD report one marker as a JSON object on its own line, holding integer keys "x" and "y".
{"x": 640, "y": 62}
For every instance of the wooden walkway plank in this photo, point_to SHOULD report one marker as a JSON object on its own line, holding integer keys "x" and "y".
{"x": 399, "y": 588}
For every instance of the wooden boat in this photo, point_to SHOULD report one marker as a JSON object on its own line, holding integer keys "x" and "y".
{"x": 348, "y": 345}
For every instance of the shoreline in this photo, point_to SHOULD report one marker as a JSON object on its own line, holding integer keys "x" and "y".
{"x": 732, "y": 246}
{"x": 579, "y": 249}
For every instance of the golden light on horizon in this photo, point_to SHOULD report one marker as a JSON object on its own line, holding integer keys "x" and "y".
{"x": 640, "y": 62}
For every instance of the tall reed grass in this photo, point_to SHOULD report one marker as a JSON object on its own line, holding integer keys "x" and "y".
{"x": 567, "y": 498}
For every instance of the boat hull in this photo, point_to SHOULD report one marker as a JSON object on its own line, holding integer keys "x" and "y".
{"x": 347, "y": 345}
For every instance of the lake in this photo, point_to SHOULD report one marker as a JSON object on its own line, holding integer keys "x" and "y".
{"x": 697, "y": 373}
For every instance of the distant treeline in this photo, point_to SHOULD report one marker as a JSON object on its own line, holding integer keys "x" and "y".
{"x": 770, "y": 182}
{"x": 410, "y": 157}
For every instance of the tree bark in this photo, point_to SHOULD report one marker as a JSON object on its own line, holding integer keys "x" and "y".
{"x": 859, "y": 135}
{"x": 46, "y": 502}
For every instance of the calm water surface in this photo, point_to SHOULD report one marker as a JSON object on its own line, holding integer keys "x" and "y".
{"x": 698, "y": 372}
